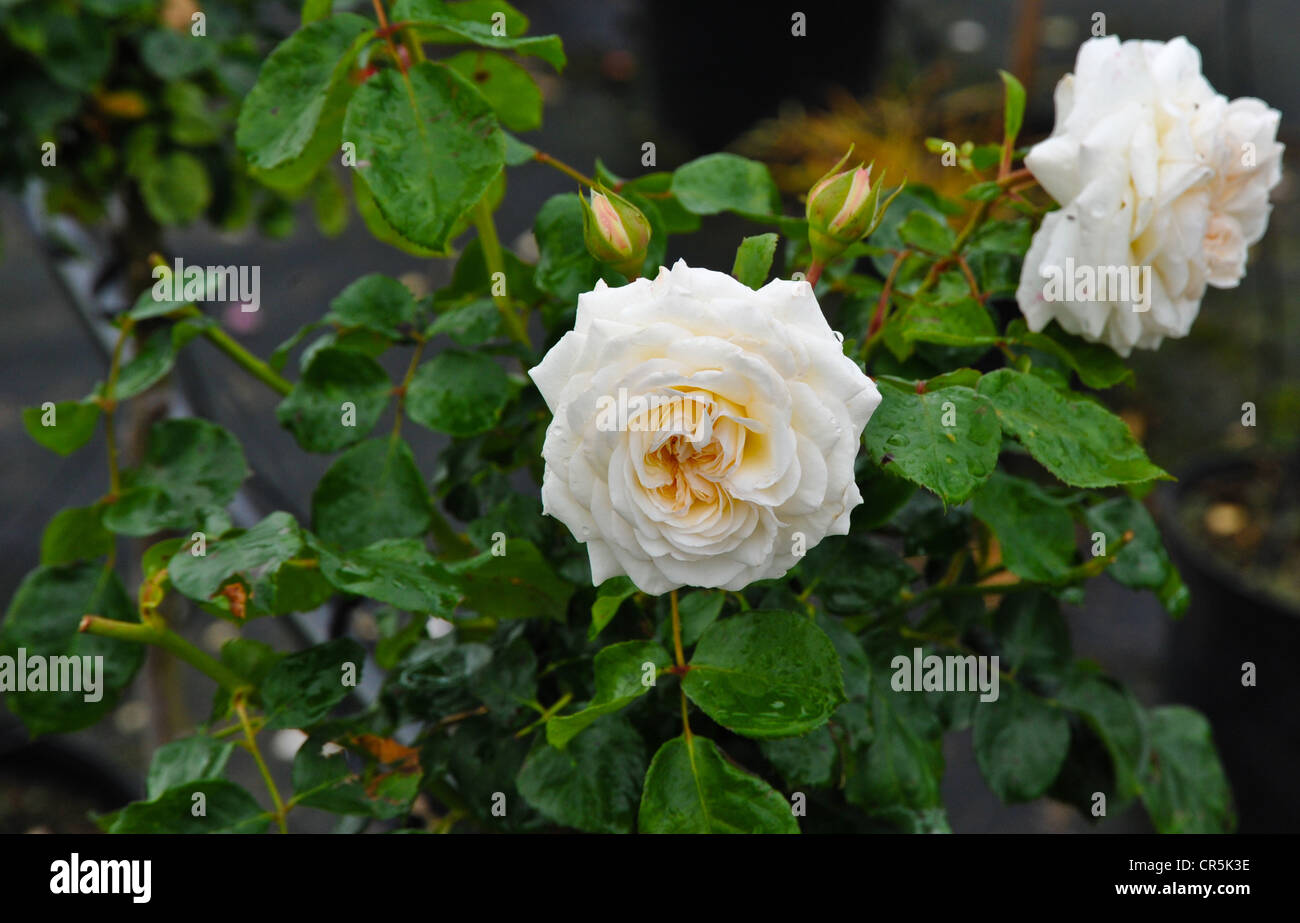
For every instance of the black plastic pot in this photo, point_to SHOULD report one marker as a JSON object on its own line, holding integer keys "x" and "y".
{"x": 1230, "y": 623}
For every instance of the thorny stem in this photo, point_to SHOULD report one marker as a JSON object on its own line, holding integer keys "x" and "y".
{"x": 387, "y": 33}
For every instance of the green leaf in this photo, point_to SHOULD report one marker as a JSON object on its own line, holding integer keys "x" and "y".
{"x": 480, "y": 11}
{"x": 1034, "y": 530}
{"x": 924, "y": 231}
{"x": 754, "y": 259}
{"x": 962, "y": 322}
{"x": 507, "y": 87}
{"x": 398, "y": 571}
{"x": 692, "y": 788}
{"x": 71, "y": 424}
{"x": 765, "y": 674}
{"x": 1184, "y": 787}
{"x": 1097, "y": 365}
{"x": 594, "y": 784}
{"x": 75, "y": 534}
{"x": 331, "y": 778}
{"x": 374, "y": 302}
{"x": 43, "y": 621}
{"x": 260, "y": 551}
{"x": 329, "y": 205}
{"x": 173, "y": 55}
{"x": 725, "y": 182}
{"x": 1115, "y": 717}
{"x": 469, "y": 325}
{"x": 1033, "y": 633}
{"x": 432, "y": 145}
{"x": 519, "y": 584}
{"x": 176, "y": 188}
{"x": 853, "y": 573}
{"x": 1143, "y": 563}
{"x": 1020, "y": 743}
{"x": 302, "y": 688}
{"x": 620, "y": 679}
{"x": 1014, "y": 112}
{"x": 1081, "y": 442}
{"x": 564, "y": 267}
{"x": 191, "y": 468}
{"x": 315, "y": 412}
{"x": 902, "y": 764}
{"x": 438, "y": 23}
{"x": 372, "y": 491}
{"x": 459, "y": 393}
{"x": 156, "y": 356}
{"x": 952, "y": 461}
{"x": 314, "y": 10}
{"x": 698, "y": 610}
{"x": 186, "y": 760}
{"x": 299, "y": 96}
{"x": 609, "y": 597}
{"x": 227, "y": 808}
{"x": 807, "y": 760}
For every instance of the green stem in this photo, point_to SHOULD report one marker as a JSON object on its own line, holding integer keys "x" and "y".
{"x": 169, "y": 641}
{"x": 246, "y": 360}
{"x": 543, "y": 157}
{"x": 545, "y": 716}
{"x": 677, "y": 631}
{"x": 495, "y": 260}
{"x": 405, "y": 386}
{"x": 250, "y": 744}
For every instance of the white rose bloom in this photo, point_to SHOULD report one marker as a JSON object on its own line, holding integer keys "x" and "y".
{"x": 1152, "y": 168}
{"x": 699, "y": 427}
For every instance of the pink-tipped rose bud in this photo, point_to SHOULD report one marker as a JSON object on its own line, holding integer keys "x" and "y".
{"x": 615, "y": 230}
{"x": 843, "y": 208}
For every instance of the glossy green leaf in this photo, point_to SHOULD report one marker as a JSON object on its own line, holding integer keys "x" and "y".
{"x": 372, "y": 491}
{"x": 1143, "y": 563}
{"x": 338, "y": 400}
{"x": 953, "y": 322}
{"x": 1184, "y": 787}
{"x": 593, "y": 784}
{"x": 765, "y": 674}
{"x": 564, "y": 267}
{"x": 191, "y": 468}
{"x": 43, "y": 621}
{"x": 609, "y": 597}
{"x": 299, "y": 95}
{"x": 176, "y": 188}
{"x": 260, "y": 550}
{"x": 509, "y": 88}
{"x": 519, "y": 584}
{"x": 910, "y": 430}
{"x": 754, "y": 259}
{"x": 692, "y": 788}
{"x": 71, "y": 424}
{"x": 458, "y": 393}
{"x": 1079, "y": 441}
{"x": 303, "y": 688}
{"x": 431, "y": 145}
{"x": 725, "y": 182}
{"x": 902, "y": 764}
{"x": 1034, "y": 530}
{"x": 186, "y": 760}
{"x": 622, "y": 676}
{"x": 398, "y": 571}
{"x": 1020, "y": 743}
{"x": 923, "y": 231}
{"x": 374, "y": 302}
{"x": 1033, "y": 633}
{"x": 226, "y": 808}
{"x": 75, "y": 534}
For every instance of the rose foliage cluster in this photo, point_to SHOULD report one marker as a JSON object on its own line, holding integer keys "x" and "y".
{"x": 753, "y": 512}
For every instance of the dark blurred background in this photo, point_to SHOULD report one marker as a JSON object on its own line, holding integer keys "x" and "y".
{"x": 694, "y": 77}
